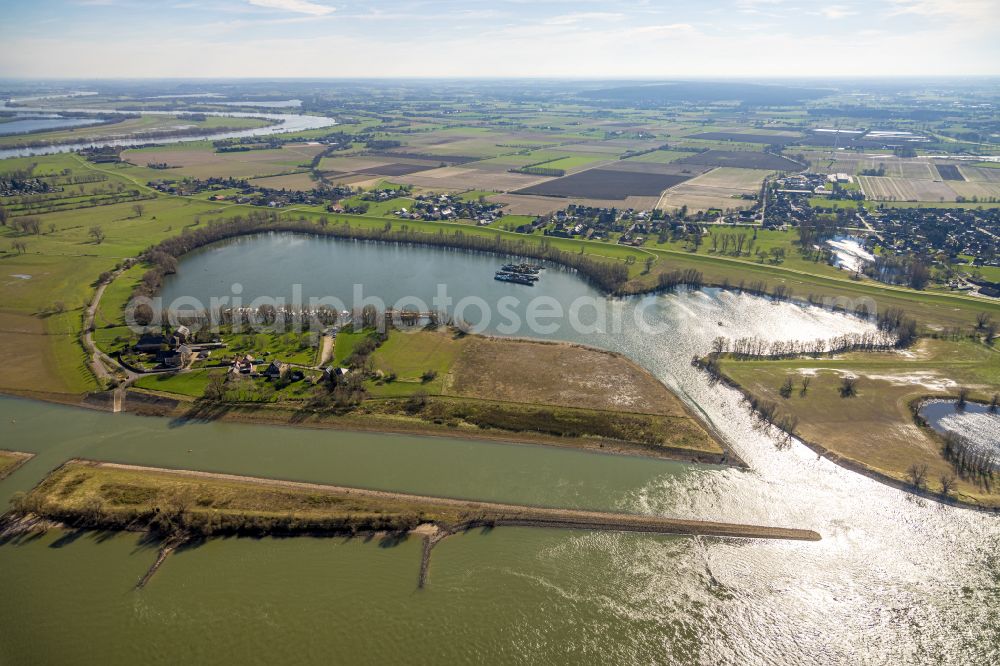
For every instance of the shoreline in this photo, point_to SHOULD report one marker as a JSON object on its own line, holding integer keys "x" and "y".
{"x": 860, "y": 468}
{"x": 255, "y": 415}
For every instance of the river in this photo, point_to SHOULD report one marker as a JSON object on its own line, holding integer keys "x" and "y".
{"x": 896, "y": 579}
{"x": 284, "y": 122}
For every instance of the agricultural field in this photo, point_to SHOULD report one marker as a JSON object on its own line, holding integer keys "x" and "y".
{"x": 612, "y": 182}
{"x": 204, "y": 162}
{"x": 886, "y": 188}
{"x": 775, "y": 138}
{"x": 660, "y": 156}
{"x": 462, "y": 178}
{"x": 572, "y": 163}
{"x": 528, "y": 204}
{"x": 949, "y": 172}
{"x": 742, "y": 160}
{"x": 980, "y": 174}
{"x": 302, "y": 181}
{"x": 721, "y": 188}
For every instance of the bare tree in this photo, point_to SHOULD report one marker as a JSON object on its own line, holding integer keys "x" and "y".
{"x": 917, "y": 475}
{"x": 138, "y": 209}
{"x": 963, "y": 397}
{"x": 97, "y": 233}
{"x": 947, "y": 484}
{"x": 805, "y": 384}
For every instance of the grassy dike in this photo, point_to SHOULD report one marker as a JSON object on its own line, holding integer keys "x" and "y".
{"x": 98, "y": 495}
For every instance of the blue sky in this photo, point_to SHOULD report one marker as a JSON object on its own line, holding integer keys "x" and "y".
{"x": 560, "y": 38}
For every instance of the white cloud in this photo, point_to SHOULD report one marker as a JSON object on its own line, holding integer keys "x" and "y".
{"x": 958, "y": 9}
{"x": 297, "y": 6}
{"x": 836, "y": 12}
{"x": 569, "y": 19}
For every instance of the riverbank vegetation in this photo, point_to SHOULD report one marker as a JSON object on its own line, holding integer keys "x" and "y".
{"x": 859, "y": 408}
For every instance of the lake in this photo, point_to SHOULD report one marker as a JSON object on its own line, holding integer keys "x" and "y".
{"x": 895, "y": 578}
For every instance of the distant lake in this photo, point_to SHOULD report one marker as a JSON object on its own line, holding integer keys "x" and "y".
{"x": 26, "y": 124}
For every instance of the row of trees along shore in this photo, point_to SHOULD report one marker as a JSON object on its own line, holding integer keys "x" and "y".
{"x": 972, "y": 462}
{"x": 609, "y": 276}
{"x": 893, "y": 330}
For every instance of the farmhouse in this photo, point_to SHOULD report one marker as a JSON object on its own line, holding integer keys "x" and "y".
{"x": 275, "y": 370}
{"x": 243, "y": 365}
{"x": 150, "y": 343}
{"x": 332, "y": 374}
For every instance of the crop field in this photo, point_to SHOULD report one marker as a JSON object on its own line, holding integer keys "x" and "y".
{"x": 205, "y": 162}
{"x": 606, "y": 183}
{"x": 907, "y": 189}
{"x": 982, "y": 191}
{"x": 660, "y": 156}
{"x": 420, "y": 158}
{"x": 719, "y": 188}
{"x": 438, "y": 148}
{"x": 949, "y": 172}
{"x": 631, "y": 201}
{"x": 520, "y": 159}
{"x": 904, "y": 189}
{"x": 354, "y": 164}
{"x": 294, "y": 181}
{"x": 980, "y": 174}
{"x": 395, "y": 169}
{"x": 743, "y": 160}
{"x": 528, "y": 204}
{"x": 740, "y": 137}
{"x": 573, "y": 163}
{"x": 608, "y": 148}
{"x": 459, "y": 179}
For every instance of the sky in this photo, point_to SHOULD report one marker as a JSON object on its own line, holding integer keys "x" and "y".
{"x": 497, "y": 38}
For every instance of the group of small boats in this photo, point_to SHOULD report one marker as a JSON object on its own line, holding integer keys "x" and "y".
{"x": 518, "y": 273}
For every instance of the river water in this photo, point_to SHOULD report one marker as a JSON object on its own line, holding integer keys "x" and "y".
{"x": 896, "y": 579}
{"x": 285, "y": 122}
